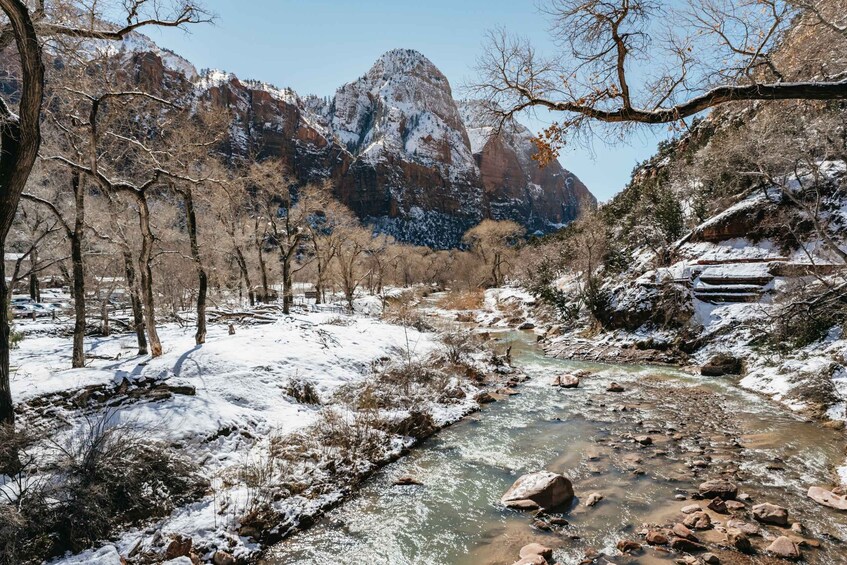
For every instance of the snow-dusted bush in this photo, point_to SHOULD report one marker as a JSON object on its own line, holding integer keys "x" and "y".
{"x": 69, "y": 494}
{"x": 302, "y": 391}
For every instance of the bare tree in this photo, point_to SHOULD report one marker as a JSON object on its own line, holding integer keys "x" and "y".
{"x": 20, "y": 133}
{"x": 492, "y": 241}
{"x": 350, "y": 267}
{"x": 640, "y": 61}
{"x": 327, "y": 222}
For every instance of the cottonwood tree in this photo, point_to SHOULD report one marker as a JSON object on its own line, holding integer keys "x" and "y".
{"x": 287, "y": 221}
{"x": 350, "y": 267}
{"x": 328, "y": 222}
{"x": 229, "y": 199}
{"x": 23, "y": 29}
{"x": 493, "y": 241}
{"x": 626, "y": 62}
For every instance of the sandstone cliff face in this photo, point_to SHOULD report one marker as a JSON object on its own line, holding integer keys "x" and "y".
{"x": 397, "y": 147}
{"x": 516, "y": 187}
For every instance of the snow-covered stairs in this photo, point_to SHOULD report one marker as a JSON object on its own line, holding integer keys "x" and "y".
{"x": 725, "y": 282}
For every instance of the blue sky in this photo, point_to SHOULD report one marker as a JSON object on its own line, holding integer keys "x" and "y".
{"x": 314, "y": 46}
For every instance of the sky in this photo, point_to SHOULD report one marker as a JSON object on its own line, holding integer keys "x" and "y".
{"x": 315, "y": 46}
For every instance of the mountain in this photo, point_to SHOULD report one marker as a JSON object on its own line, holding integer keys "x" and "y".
{"x": 399, "y": 150}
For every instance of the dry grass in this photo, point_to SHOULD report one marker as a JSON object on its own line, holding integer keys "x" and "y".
{"x": 471, "y": 299}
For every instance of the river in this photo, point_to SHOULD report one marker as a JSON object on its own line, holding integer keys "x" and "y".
{"x": 701, "y": 427}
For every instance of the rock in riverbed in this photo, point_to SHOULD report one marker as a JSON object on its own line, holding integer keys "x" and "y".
{"x": 768, "y": 513}
{"x": 614, "y": 387}
{"x": 827, "y": 498}
{"x": 718, "y": 488}
{"x": 721, "y": 364}
{"x": 593, "y": 499}
{"x": 698, "y": 521}
{"x": 785, "y": 548}
{"x": 542, "y": 489}
{"x": 565, "y": 381}
{"x": 536, "y": 549}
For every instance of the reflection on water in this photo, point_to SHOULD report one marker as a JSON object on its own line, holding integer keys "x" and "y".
{"x": 455, "y": 518}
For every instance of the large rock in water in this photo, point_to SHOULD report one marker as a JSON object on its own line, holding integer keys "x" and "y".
{"x": 718, "y": 488}
{"x": 768, "y": 513}
{"x": 542, "y": 489}
{"x": 827, "y": 498}
{"x": 721, "y": 364}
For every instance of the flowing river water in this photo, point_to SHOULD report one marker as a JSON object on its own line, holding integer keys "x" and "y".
{"x": 701, "y": 428}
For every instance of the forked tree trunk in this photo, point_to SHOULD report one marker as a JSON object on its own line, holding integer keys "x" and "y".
{"x": 145, "y": 261}
{"x": 135, "y": 300}
{"x": 203, "y": 279}
{"x": 20, "y": 138}
{"x": 245, "y": 275}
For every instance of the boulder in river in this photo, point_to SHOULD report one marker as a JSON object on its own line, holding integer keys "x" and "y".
{"x": 536, "y": 549}
{"x": 768, "y": 513}
{"x": 827, "y": 498}
{"x": 656, "y": 538}
{"x": 614, "y": 387}
{"x": 532, "y": 560}
{"x": 565, "y": 381}
{"x": 739, "y": 540}
{"x": 718, "y": 505}
{"x": 718, "y": 488}
{"x": 687, "y": 545}
{"x": 697, "y": 521}
{"x": 681, "y": 531}
{"x": 785, "y": 548}
{"x": 593, "y": 499}
{"x": 628, "y": 546}
{"x": 542, "y": 489}
{"x": 721, "y": 364}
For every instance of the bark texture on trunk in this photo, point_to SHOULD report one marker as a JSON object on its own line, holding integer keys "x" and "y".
{"x": 203, "y": 279}
{"x": 146, "y": 262}
{"x": 245, "y": 275}
{"x": 135, "y": 300}
{"x": 20, "y": 139}
{"x": 77, "y": 236}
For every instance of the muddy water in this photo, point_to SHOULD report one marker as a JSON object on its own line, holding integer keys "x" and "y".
{"x": 701, "y": 428}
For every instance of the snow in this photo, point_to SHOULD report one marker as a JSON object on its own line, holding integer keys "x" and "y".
{"x": 239, "y": 403}
{"x": 238, "y": 378}
{"x": 107, "y": 555}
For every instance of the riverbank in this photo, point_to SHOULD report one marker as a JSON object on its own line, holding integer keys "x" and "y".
{"x": 698, "y": 430}
{"x": 281, "y": 420}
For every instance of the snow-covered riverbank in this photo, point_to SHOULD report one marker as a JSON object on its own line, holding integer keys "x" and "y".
{"x": 237, "y": 403}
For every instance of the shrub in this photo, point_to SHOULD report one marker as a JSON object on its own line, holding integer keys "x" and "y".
{"x": 471, "y": 299}
{"x": 103, "y": 476}
{"x": 302, "y": 391}
{"x": 458, "y": 343}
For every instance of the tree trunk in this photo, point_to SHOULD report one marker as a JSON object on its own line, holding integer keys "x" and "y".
{"x": 145, "y": 262}
{"x": 287, "y": 296}
{"x": 203, "y": 279}
{"x": 135, "y": 300}
{"x": 245, "y": 274}
{"x": 7, "y": 409}
{"x": 20, "y": 139}
{"x": 319, "y": 283}
{"x": 105, "y": 330}
{"x": 263, "y": 268}
{"x": 78, "y": 359}
{"x": 34, "y": 287}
